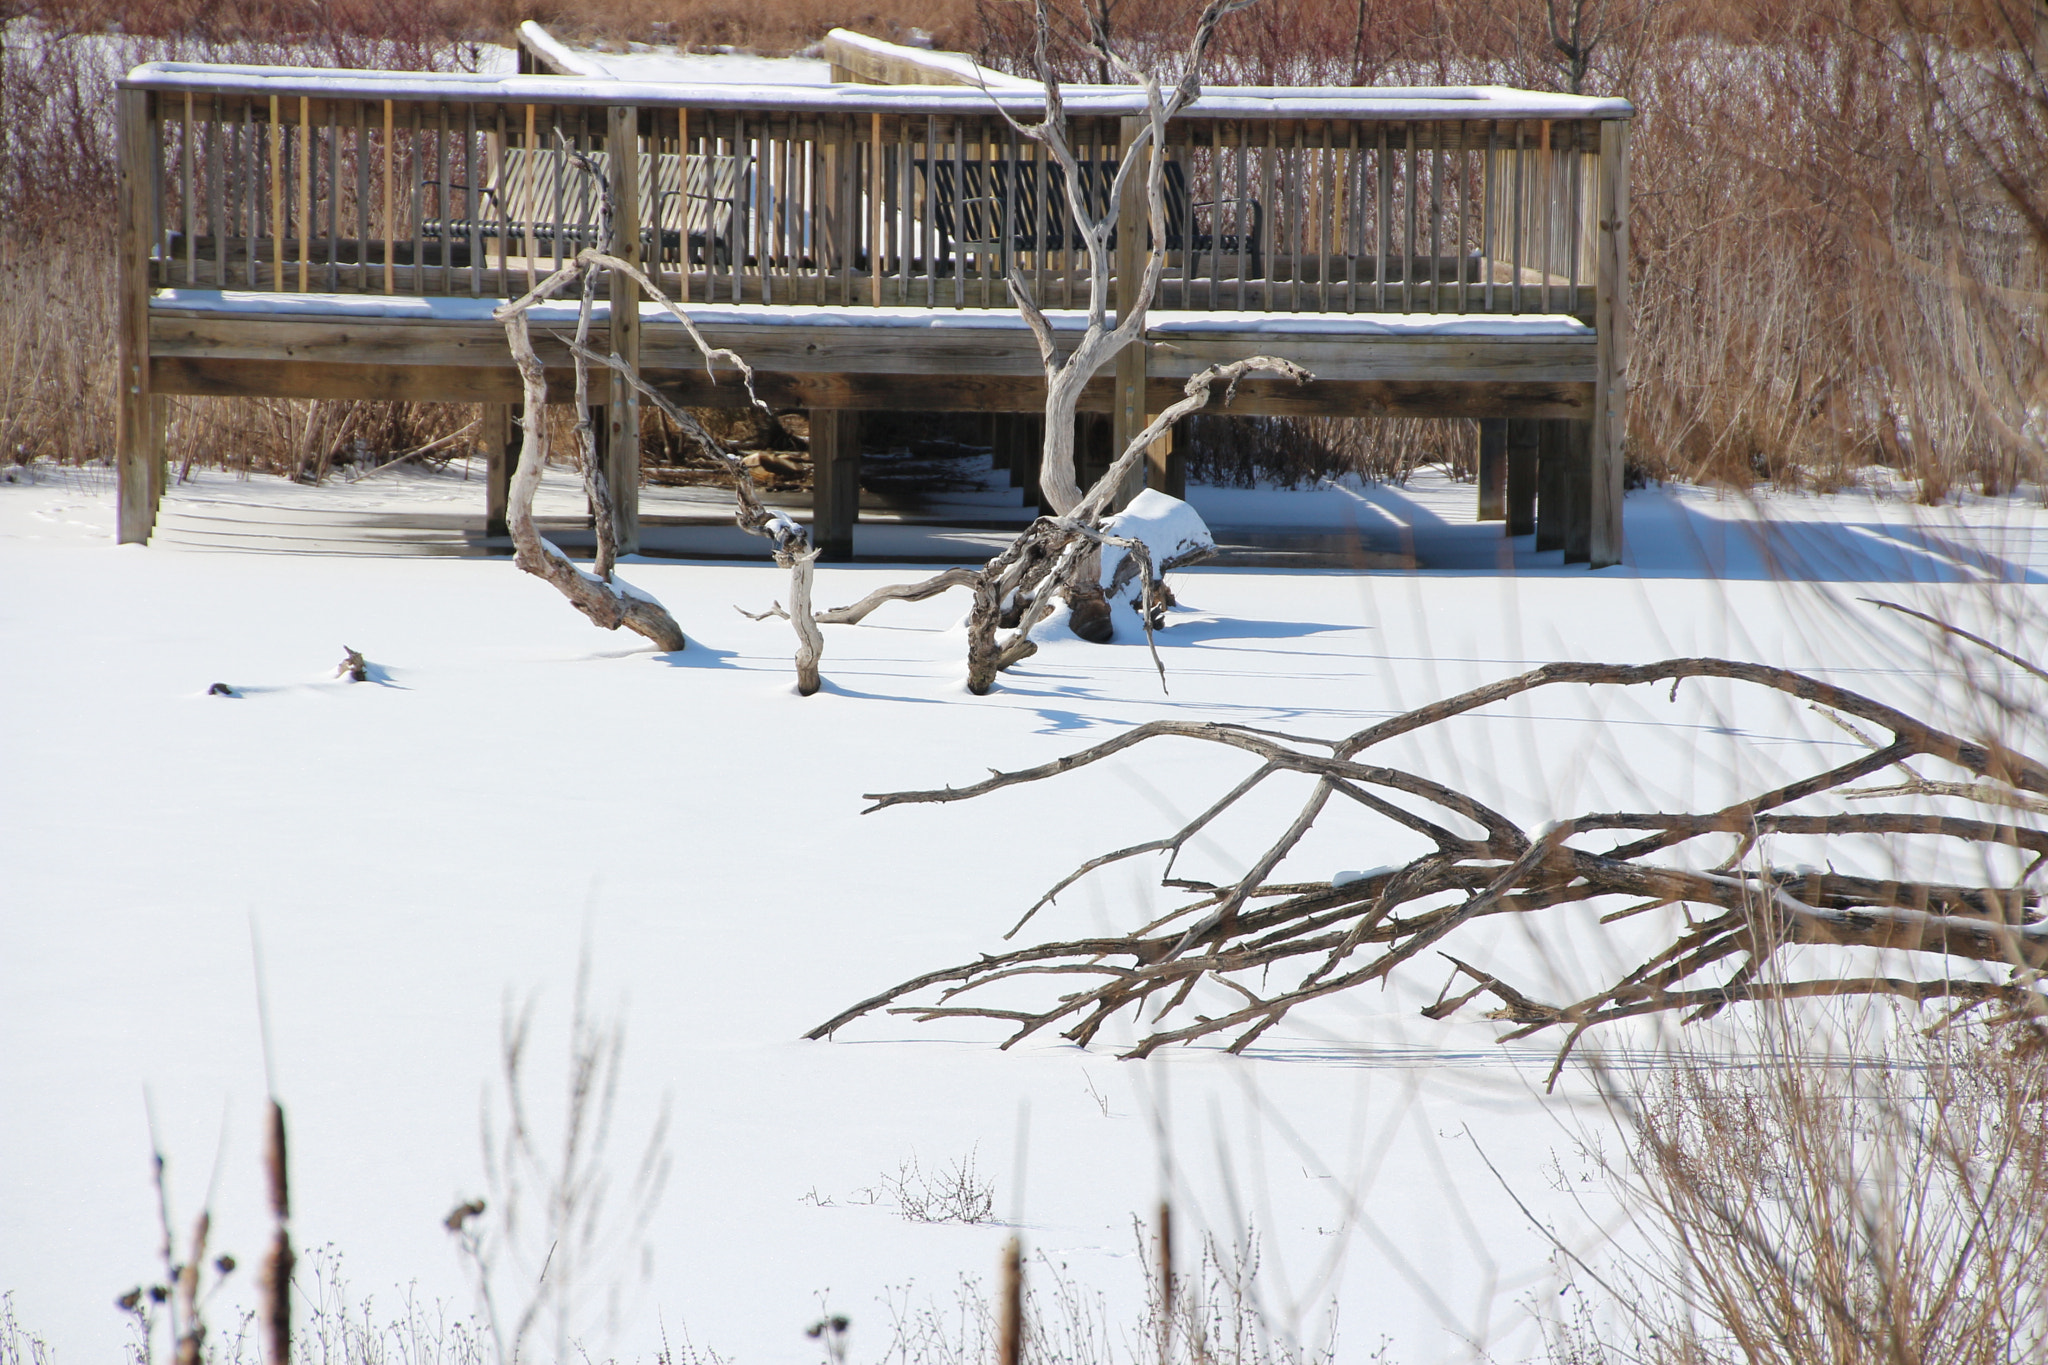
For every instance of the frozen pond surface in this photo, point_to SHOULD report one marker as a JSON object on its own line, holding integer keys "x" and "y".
{"x": 415, "y": 849}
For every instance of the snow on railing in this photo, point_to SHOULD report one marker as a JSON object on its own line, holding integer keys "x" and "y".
{"x": 1410, "y": 200}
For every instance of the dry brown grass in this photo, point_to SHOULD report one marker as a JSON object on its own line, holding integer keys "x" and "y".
{"x": 1840, "y": 222}
{"x": 1818, "y": 1205}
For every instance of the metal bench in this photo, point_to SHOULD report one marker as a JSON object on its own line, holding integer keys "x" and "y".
{"x": 995, "y": 205}
{"x": 540, "y": 199}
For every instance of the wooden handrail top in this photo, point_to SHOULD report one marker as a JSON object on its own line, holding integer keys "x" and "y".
{"x": 1161, "y": 324}
{"x": 1365, "y": 104}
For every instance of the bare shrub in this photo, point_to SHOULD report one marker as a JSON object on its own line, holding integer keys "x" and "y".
{"x": 953, "y": 1193}
{"x": 546, "y": 1248}
{"x": 1818, "y": 1204}
{"x": 18, "y": 1345}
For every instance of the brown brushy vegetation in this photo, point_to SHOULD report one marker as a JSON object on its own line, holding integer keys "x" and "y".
{"x": 1840, "y": 207}
{"x": 1815, "y": 1205}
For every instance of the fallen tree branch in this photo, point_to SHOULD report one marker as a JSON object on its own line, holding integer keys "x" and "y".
{"x": 1275, "y": 945}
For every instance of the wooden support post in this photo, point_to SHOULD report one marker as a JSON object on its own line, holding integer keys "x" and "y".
{"x": 1493, "y": 469}
{"x": 1128, "y": 419}
{"x": 1576, "y": 438}
{"x": 1611, "y": 325}
{"x": 1522, "y": 437}
{"x": 835, "y": 481}
{"x": 500, "y": 440}
{"x": 1174, "y": 469}
{"x": 1163, "y": 469}
{"x": 622, "y": 403}
{"x": 1001, "y": 433}
{"x": 1026, "y": 455}
{"x": 1093, "y": 433}
{"x": 1128, "y": 415}
{"x": 1552, "y": 484}
{"x": 138, "y": 436}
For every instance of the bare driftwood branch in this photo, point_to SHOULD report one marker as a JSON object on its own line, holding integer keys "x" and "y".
{"x": 606, "y": 601}
{"x": 1276, "y": 945}
{"x": 899, "y": 592}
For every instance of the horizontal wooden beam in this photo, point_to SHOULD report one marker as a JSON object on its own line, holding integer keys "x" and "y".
{"x": 241, "y": 378}
{"x": 390, "y": 383}
{"x": 937, "y": 352}
{"x": 1567, "y": 359}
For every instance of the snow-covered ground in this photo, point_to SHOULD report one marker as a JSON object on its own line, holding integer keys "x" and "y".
{"x": 414, "y": 851}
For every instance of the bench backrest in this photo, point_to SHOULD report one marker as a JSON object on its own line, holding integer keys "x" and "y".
{"x": 545, "y": 186}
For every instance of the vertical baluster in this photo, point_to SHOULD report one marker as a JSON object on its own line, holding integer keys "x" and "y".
{"x": 188, "y": 209}
{"x": 1326, "y": 218}
{"x": 817, "y": 157}
{"x": 1436, "y": 217}
{"x": 1242, "y": 185}
{"x": 876, "y": 183}
{"x": 443, "y": 210}
{"x": 306, "y": 227}
{"x": 725, "y": 146}
{"x": 1274, "y": 217}
{"x": 251, "y": 216}
{"x": 927, "y": 227}
{"x": 1189, "y": 178}
{"x": 415, "y": 174}
{"x": 769, "y": 155}
{"x": 1461, "y": 187}
{"x": 906, "y": 202}
{"x": 847, "y": 196}
{"x": 683, "y": 204}
{"x": 531, "y": 180}
{"x": 362, "y": 159}
{"x": 1411, "y": 213}
{"x": 1295, "y": 194}
{"x": 800, "y": 166}
{"x": 1354, "y": 220}
{"x": 496, "y": 145}
{"x": 954, "y": 252}
{"x": 1033, "y": 189}
{"x": 161, "y": 263}
{"x": 708, "y": 140}
{"x": 1383, "y": 207}
{"x": 749, "y": 166}
{"x": 216, "y": 217}
{"x": 1216, "y": 219}
{"x": 556, "y": 187}
{"x": 1012, "y": 188}
{"x": 1546, "y": 196}
{"x": 1076, "y": 255}
{"x": 277, "y": 230}
{"x": 472, "y": 212}
{"x": 1489, "y": 214}
{"x": 333, "y": 183}
{"x": 1519, "y": 187}
{"x": 390, "y": 154}
{"x": 1575, "y": 163}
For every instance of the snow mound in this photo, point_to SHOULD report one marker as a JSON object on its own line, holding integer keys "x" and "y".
{"x": 1170, "y": 530}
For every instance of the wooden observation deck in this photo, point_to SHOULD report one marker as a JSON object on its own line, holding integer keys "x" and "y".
{"x": 345, "y": 234}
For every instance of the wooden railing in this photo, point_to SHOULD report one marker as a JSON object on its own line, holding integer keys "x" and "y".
{"x": 1454, "y": 201}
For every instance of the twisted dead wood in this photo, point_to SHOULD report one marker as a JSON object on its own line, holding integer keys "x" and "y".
{"x": 1276, "y": 945}
{"x": 608, "y": 602}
